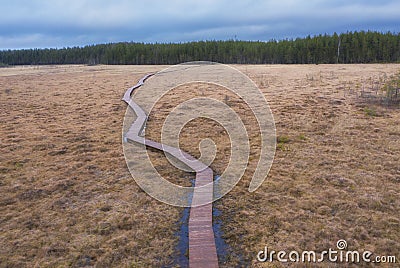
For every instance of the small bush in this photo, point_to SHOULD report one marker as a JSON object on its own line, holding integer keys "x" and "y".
{"x": 391, "y": 90}
{"x": 302, "y": 137}
{"x": 18, "y": 165}
{"x": 281, "y": 142}
{"x": 370, "y": 111}
{"x": 282, "y": 139}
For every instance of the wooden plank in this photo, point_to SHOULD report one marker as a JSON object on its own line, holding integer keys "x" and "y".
{"x": 202, "y": 249}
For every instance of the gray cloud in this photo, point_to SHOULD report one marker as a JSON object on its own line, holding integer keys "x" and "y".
{"x": 36, "y": 23}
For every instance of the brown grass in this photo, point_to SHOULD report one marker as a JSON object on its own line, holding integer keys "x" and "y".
{"x": 67, "y": 198}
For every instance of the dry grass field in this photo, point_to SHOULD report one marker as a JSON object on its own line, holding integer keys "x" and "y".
{"x": 68, "y": 199}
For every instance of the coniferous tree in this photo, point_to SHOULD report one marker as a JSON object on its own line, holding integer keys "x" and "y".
{"x": 350, "y": 47}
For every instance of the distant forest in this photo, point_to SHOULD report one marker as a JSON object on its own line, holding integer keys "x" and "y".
{"x": 350, "y": 47}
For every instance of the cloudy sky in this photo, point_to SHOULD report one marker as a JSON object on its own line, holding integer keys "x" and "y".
{"x": 61, "y": 23}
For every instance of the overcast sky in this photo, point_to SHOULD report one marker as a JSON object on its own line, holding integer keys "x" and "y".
{"x": 62, "y": 23}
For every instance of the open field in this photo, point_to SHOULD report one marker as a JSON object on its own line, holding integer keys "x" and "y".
{"x": 67, "y": 198}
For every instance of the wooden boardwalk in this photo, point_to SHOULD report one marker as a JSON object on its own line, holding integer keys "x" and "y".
{"x": 202, "y": 249}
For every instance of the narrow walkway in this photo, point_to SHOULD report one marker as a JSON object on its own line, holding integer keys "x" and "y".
{"x": 202, "y": 249}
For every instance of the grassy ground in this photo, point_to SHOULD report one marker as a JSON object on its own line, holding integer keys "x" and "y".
{"x": 67, "y": 198}
{"x": 336, "y": 173}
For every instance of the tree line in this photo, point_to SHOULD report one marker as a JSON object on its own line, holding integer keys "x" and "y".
{"x": 350, "y": 47}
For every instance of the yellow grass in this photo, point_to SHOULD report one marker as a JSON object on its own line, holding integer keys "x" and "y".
{"x": 67, "y": 198}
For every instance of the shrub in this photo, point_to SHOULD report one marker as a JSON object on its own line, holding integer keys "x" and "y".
{"x": 370, "y": 111}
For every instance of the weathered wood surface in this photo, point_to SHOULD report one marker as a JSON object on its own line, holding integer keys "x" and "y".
{"x": 202, "y": 249}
